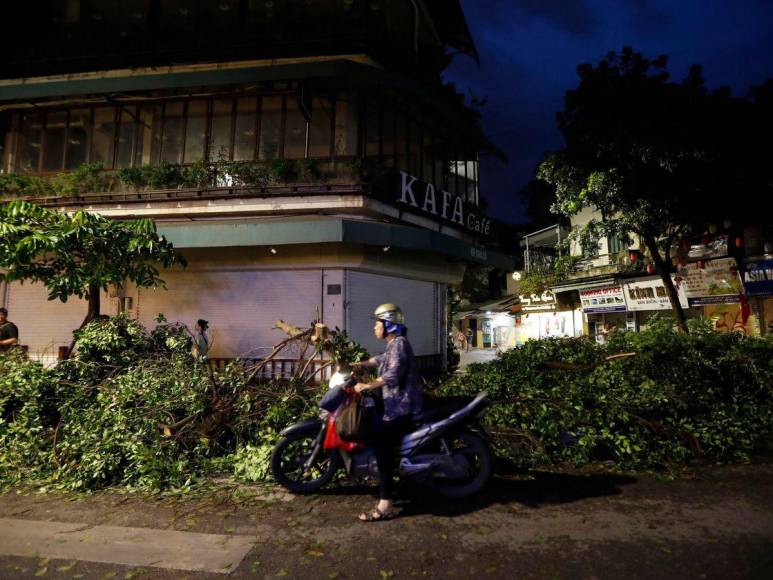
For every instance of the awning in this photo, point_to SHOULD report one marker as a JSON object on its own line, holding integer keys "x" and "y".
{"x": 586, "y": 284}
{"x": 509, "y": 305}
{"x": 235, "y": 233}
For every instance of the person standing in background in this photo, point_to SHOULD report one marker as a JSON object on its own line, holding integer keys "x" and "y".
{"x": 9, "y": 332}
{"x": 201, "y": 340}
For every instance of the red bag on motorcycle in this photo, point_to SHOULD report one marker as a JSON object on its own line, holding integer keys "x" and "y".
{"x": 352, "y": 421}
{"x": 333, "y": 441}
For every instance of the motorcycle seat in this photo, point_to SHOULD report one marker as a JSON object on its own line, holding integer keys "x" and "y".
{"x": 438, "y": 408}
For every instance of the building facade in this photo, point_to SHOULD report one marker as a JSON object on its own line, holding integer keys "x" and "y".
{"x": 723, "y": 276}
{"x": 305, "y": 158}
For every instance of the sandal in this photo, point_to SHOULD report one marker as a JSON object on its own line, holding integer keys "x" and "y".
{"x": 377, "y": 516}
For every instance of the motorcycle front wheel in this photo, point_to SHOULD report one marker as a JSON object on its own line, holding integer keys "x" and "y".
{"x": 473, "y": 452}
{"x": 288, "y": 463}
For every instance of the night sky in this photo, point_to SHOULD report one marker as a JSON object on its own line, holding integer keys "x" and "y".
{"x": 530, "y": 50}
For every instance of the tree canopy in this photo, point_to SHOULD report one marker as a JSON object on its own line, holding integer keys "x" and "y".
{"x": 657, "y": 158}
{"x": 80, "y": 254}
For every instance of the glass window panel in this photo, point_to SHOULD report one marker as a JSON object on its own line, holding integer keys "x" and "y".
{"x": 441, "y": 164}
{"x": 127, "y": 131}
{"x": 245, "y": 134}
{"x": 401, "y": 143}
{"x": 321, "y": 129}
{"x": 470, "y": 181}
{"x": 6, "y": 141}
{"x": 270, "y": 127}
{"x": 54, "y": 140}
{"x": 102, "y": 139}
{"x": 77, "y": 138}
{"x": 29, "y": 145}
{"x": 220, "y": 136}
{"x": 172, "y": 146}
{"x": 372, "y": 130}
{"x": 196, "y": 131}
{"x": 388, "y": 136}
{"x": 347, "y": 124}
{"x": 428, "y": 157}
{"x": 414, "y": 146}
{"x": 149, "y": 141}
{"x": 295, "y": 131}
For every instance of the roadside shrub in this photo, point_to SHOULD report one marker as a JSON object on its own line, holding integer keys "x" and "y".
{"x": 132, "y": 407}
{"x": 682, "y": 397}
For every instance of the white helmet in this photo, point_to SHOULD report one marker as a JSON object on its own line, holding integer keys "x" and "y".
{"x": 390, "y": 313}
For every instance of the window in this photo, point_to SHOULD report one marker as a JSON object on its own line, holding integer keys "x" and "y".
{"x": 295, "y": 131}
{"x": 372, "y": 130}
{"x": 245, "y": 135}
{"x": 127, "y": 137}
{"x": 428, "y": 152}
{"x": 103, "y": 136}
{"x": 174, "y": 126}
{"x": 30, "y": 142}
{"x": 388, "y": 141}
{"x": 224, "y": 128}
{"x": 221, "y": 133}
{"x": 321, "y": 127}
{"x": 196, "y": 131}
{"x": 151, "y": 118}
{"x": 270, "y": 127}
{"x": 414, "y": 149}
{"x": 616, "y": 244}
{"x": 346, "y": 124}
{"x": 77, "y": 138}
{"x": 54, "y": 138}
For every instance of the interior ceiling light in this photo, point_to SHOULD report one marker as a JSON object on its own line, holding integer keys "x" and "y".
{"x": 273, "y": 251}
{"x": 386, "y": 248}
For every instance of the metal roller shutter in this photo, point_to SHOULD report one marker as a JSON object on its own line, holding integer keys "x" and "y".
{"x": 44, "y": 325}
{"x": 419, "y": 301}
{"x": 241, "y": 307}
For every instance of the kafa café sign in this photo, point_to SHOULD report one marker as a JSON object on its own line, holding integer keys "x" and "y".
{"x": 423, "y": 198}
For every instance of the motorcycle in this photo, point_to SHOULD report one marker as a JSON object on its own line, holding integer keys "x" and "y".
{"x": 447, "y": 451}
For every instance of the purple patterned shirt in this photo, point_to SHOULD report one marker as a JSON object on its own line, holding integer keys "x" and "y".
{"x": 402, "y": 392}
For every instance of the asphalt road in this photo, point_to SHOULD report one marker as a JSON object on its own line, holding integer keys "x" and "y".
{"x": 711, "y": 523}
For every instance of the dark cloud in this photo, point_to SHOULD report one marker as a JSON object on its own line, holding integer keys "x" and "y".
{"x": 573, "y": 16}
{"x": 649, "y": 17}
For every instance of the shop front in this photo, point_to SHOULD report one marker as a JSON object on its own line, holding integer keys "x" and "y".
{"x": 714, "y": 289}
{"x": 544, "y": 316}
{"x": 646, "y": 297}
{"x": 490, "y": 325}
{"x": 758, "y": 283}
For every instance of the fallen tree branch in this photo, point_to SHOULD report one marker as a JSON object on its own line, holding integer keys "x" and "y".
{"x": 554, "y": 364}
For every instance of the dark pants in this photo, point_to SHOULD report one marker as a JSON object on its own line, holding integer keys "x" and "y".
{"x": 384, "y": 439}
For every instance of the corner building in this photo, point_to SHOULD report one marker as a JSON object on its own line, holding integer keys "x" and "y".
{"x": 362, "y": 169}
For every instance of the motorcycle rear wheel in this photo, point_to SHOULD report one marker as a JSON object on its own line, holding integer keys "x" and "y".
{"x": 289, "y": 457}
{"x": 476, "y": 452}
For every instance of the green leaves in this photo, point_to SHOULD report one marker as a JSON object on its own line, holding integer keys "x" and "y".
{"x": 72, "y": 253}
{"x": 681, "y": 398}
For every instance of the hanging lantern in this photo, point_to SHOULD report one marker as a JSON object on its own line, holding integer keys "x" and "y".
{"x": 739, "y": 242}
{"x": 650, "y": 269}
{"x": 768, "y": 247}
{"x": 713, "y": 229}
{"x": 727, "y": 224}
{"x": 634, "y": 256}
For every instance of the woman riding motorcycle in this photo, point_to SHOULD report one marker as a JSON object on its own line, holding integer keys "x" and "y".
{"x": 401, "y": 391}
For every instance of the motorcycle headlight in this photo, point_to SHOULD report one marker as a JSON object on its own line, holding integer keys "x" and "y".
{"x": 338, "y": 378}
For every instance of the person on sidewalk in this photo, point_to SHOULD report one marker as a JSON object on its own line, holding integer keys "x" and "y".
{"x": 201, "y": 340}
{"x": 9, "y": 332}
{"x": 400, "y": 385}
